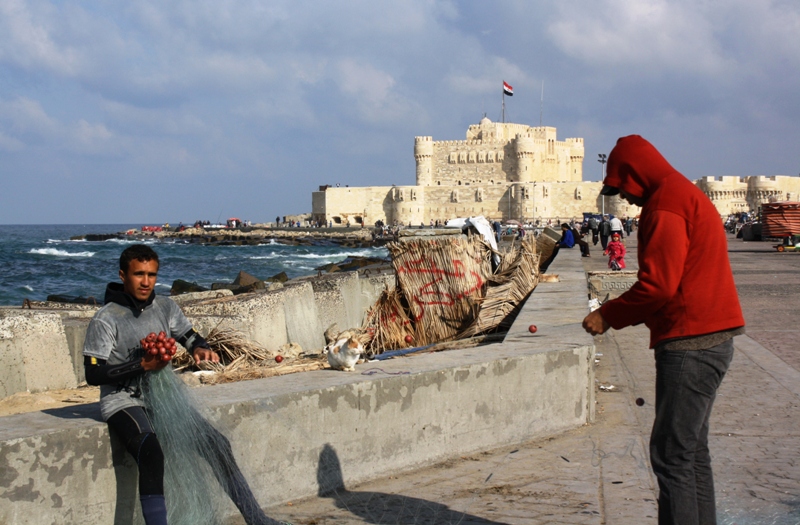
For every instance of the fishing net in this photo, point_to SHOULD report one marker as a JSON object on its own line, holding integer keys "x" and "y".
{"x": 198, "y": 458}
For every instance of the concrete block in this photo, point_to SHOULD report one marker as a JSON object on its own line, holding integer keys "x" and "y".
{"x": 302, "y": 321}
{"x": 610, "y": 283}
{"x": 75, "y": 332}
{"x": 35, "y": 348}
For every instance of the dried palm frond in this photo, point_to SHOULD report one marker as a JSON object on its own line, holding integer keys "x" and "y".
{"x": 441, "y": 281}
{"x": 386, "y": 324}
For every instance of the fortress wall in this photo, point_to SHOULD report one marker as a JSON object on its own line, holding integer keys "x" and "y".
{"x": 498, "y": 163}
{"x": 61, "y": 466}
{"x": 351, "y": 203}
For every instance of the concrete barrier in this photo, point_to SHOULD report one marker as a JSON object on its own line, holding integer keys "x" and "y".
{"x": 610, "y": 283}
{"x": 60, "y": 466}
{"x": 42, "y": 349}
{"x": 33, "y": 350}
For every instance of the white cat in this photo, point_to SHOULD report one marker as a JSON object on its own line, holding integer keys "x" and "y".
{"x": 344, "y": 353}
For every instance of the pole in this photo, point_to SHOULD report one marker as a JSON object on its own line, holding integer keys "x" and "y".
{"x": 504, "y": 106}
{"x": 602, "y": 158}
{"x": 541, "y": 105}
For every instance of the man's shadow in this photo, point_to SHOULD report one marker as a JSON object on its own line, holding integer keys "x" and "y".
{"x": 381, "y": 508}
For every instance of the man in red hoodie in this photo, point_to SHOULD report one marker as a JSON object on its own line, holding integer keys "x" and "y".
{"x": 685, "y": 295}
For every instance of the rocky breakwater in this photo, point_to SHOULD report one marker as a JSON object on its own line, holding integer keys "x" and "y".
{"x": 352, "y": 238}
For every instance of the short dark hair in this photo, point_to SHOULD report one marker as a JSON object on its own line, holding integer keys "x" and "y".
{"x": 565, "y": 225}
{"x": 138, "y": 252}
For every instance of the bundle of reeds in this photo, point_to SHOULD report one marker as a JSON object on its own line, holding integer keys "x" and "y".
{"x": 507, "y": 289}
{"x": 442, "y": 281}
{"x": 386, "y": 324}
{"x": 234, "y": 348}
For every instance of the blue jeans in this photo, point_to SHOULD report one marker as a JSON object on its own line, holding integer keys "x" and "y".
{"x": 686, "y": 386}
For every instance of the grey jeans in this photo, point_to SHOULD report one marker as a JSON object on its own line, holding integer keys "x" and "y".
{"x": 686, "y": 386}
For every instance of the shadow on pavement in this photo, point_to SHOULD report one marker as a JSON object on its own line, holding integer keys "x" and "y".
{"x": 382, "y": 508}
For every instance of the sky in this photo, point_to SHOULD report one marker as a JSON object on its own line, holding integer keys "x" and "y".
{"x": 150, "y": 111}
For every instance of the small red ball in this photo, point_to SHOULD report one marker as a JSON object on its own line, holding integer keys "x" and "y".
{"x": 278, "y": 358}
{"x": 532, "y": 328}
{"x": 409, "y": 339}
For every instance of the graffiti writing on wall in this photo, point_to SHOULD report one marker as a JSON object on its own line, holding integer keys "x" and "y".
{"x": 441, "y": 287}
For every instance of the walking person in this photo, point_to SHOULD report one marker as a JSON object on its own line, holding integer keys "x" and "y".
{"x": 686, "y": 296}
{"x": 593, "y": 226}
{"x": 616, "y": 226}
{"x": 605, "y": 231}
{"x": 616, "y": 253}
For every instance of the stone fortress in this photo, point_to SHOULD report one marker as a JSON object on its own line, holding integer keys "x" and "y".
{"x": 507, "y": 171}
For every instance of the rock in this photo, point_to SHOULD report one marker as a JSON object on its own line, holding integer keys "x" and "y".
{"x": 245, "y": 279}
{"x": 179, "y": 286}
{"x": 58, "y": 298}
{"x": 278, "y": 278}
{"x": 290, "y": 350}
{"x": 331, "y": 333}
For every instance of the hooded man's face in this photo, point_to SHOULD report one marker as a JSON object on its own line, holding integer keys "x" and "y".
{"x": 632, "y": 199}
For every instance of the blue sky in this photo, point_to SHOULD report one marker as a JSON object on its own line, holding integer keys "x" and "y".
{"x": 149, "y": 112}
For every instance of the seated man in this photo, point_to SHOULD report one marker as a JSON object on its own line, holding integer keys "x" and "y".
{"x": 567, "y": 241}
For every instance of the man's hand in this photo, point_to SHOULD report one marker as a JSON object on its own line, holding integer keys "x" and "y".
{"x": 153, "y": 363}
{"x": 595, "y": 324}
{"x": 204, "y": 354}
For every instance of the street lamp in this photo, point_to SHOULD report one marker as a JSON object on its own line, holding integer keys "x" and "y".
{"x": 602, "y": 158}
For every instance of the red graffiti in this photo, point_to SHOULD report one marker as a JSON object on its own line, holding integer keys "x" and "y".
{"x": 428, "y": 295}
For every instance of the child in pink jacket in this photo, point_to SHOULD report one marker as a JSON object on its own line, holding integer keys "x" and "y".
{"x": 616, "y": 253}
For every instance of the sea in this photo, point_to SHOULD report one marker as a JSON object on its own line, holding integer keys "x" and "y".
{"x": 41, "y": 260}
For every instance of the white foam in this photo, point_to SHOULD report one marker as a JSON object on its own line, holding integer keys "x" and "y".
{"x": 27, "y": 287}
{"x": 60, "y": 253}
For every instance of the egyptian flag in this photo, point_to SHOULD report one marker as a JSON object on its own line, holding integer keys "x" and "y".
{"x": 507, "y": 90}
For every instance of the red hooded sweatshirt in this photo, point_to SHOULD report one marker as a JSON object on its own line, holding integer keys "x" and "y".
{"x": 685, "y": 285}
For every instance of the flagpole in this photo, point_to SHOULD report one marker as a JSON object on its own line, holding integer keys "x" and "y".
{"x": 504, "y": 106}
{"x": 541, "y": 105}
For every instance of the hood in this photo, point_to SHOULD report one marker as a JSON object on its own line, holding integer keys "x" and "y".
{"x": 636, "y": 167}
{"x": 115, "y": 293}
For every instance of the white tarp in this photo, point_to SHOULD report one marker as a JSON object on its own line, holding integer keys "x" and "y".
{"x": 484, "y": 228}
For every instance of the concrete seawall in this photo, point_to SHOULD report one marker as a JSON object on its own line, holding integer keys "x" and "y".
{"x": 60, "y": 466}
{"x": 43, "y": 349}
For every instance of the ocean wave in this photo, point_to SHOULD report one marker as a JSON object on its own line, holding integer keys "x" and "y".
{"x": 28, "y": 287}
{"x": 128, "y": 241}
{"x": 60, "y": 253}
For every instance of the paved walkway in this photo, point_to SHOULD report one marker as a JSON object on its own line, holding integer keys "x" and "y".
{"x": 599, "y": 474}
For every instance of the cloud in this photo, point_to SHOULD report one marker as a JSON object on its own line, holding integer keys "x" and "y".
{"x": 282, "y": 96}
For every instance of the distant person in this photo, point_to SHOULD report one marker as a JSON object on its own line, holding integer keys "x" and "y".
{"x": 115, "y": 360}
{"x": 567, "y": 241}
{"x": 593, "y": 227}
{"x": 616, "y": 252}
{"x": 605, "y": 231}
{"x": 687, "y": 297}
{"x": 616, "y": 226}
{"x": 578, "y": 236}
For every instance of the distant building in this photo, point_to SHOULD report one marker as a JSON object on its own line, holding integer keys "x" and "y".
{"x": 502, "y": 171}
{"x": 735, "y": 194}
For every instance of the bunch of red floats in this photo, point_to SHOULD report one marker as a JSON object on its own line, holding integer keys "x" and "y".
{"x": 159, "y": 345}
